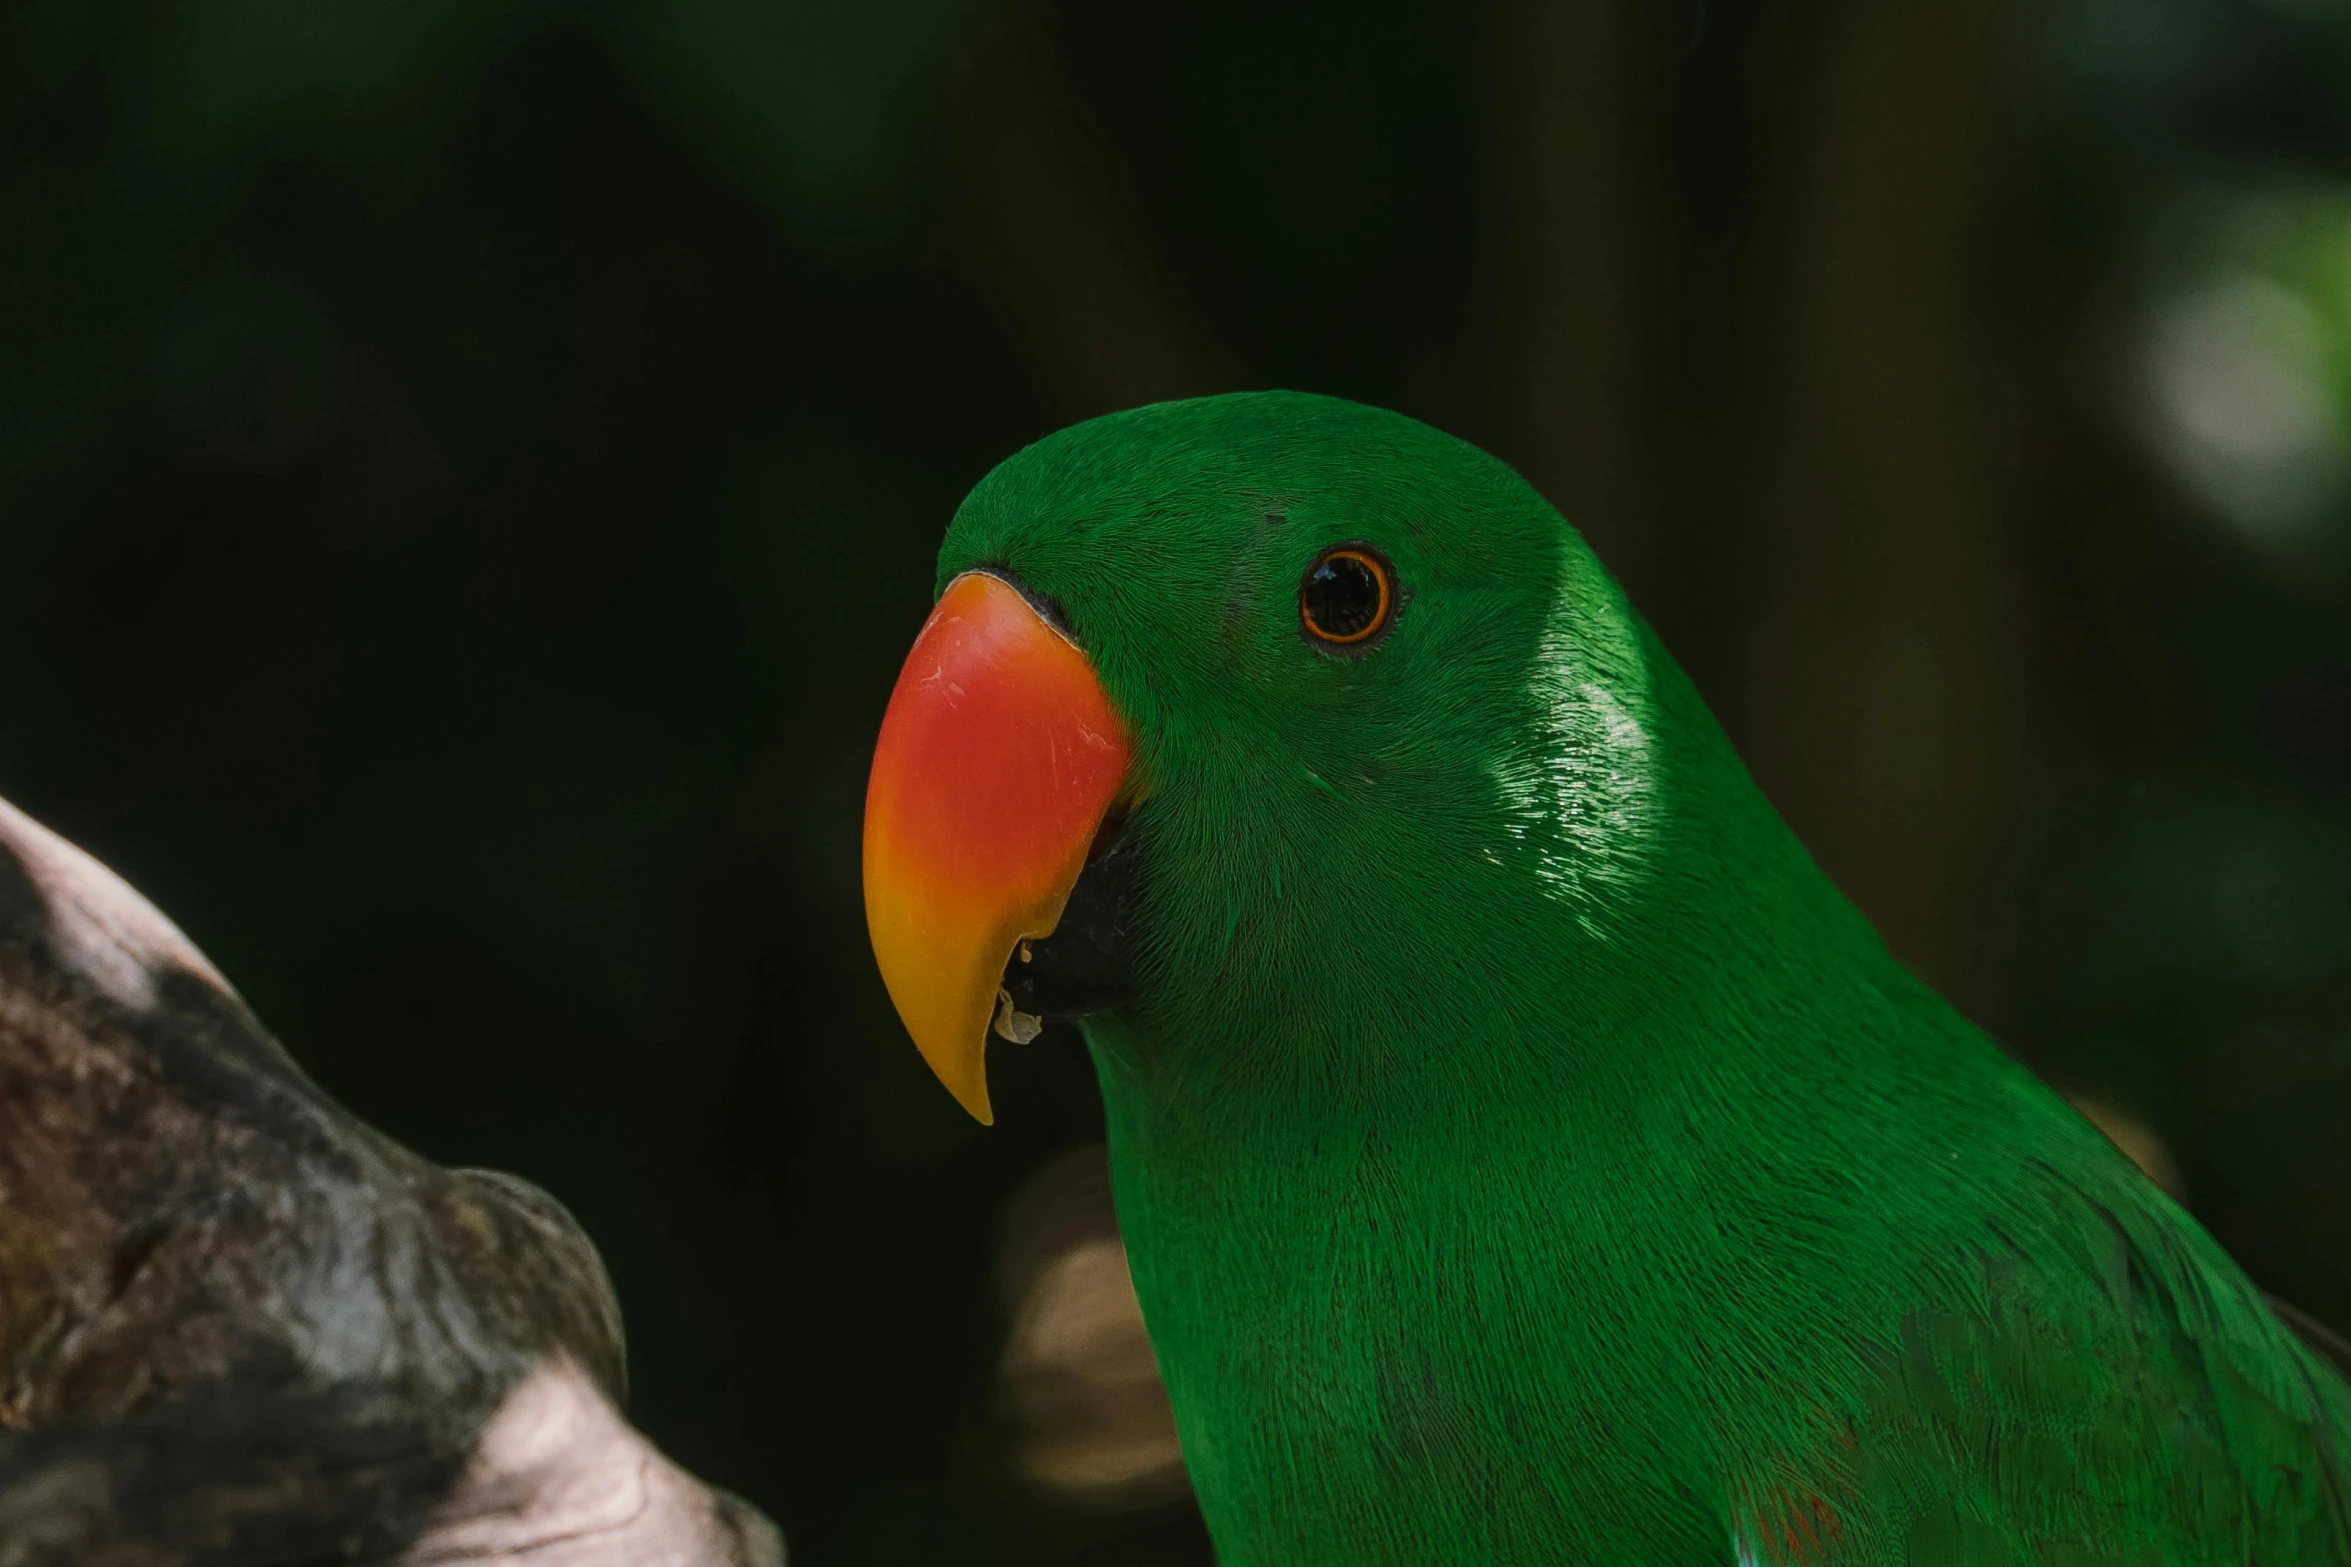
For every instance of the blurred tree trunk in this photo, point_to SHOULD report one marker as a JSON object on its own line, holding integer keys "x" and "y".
{"x": 1057, "y": 237}
{"x": 1578, "y": 264}
{"x": 1874, "y": 680}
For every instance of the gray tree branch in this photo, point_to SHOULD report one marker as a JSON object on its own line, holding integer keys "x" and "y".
{"x": 237, "y": 1325}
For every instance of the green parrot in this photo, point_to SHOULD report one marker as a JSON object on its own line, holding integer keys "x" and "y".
{"x": 1524, "y": 1153}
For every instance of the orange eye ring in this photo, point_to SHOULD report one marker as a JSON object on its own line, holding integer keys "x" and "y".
{"x": 1348, "y": 596}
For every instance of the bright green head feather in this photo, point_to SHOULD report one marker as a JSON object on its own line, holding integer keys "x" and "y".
{"x": 1360, "y": 833}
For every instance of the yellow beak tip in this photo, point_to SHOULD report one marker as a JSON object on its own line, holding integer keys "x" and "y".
{"x": 962, "y": 1069}
{"x": 974, "y": 1099}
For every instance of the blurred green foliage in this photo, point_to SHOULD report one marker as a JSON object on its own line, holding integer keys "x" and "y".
{"x": 468, "y": 473}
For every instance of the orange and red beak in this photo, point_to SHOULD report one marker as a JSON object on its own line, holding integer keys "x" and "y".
{"x": 998, "y": 759}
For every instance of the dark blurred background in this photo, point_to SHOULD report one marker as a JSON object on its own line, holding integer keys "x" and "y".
{"x": 469, "y": 470}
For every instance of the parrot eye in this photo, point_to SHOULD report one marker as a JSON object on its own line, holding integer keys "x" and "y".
{"x": 1348, "y": 596}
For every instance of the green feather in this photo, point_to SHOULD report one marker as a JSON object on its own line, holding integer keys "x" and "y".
{"x": 1558, "y": 1168}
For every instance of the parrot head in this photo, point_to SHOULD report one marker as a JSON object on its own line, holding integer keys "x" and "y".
{"x": 1264, "y": 705}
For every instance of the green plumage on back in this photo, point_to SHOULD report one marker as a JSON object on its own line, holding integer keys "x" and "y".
{"x": 1525, "y": 1154}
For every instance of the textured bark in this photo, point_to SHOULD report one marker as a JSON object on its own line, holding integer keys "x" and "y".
{"x": 237, "y": 1325}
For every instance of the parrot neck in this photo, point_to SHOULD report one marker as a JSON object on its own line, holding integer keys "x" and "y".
{"x": 1462, "y": 1233}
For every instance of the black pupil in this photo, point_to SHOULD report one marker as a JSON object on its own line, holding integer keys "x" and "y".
{"x": 1343, "y": 596}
